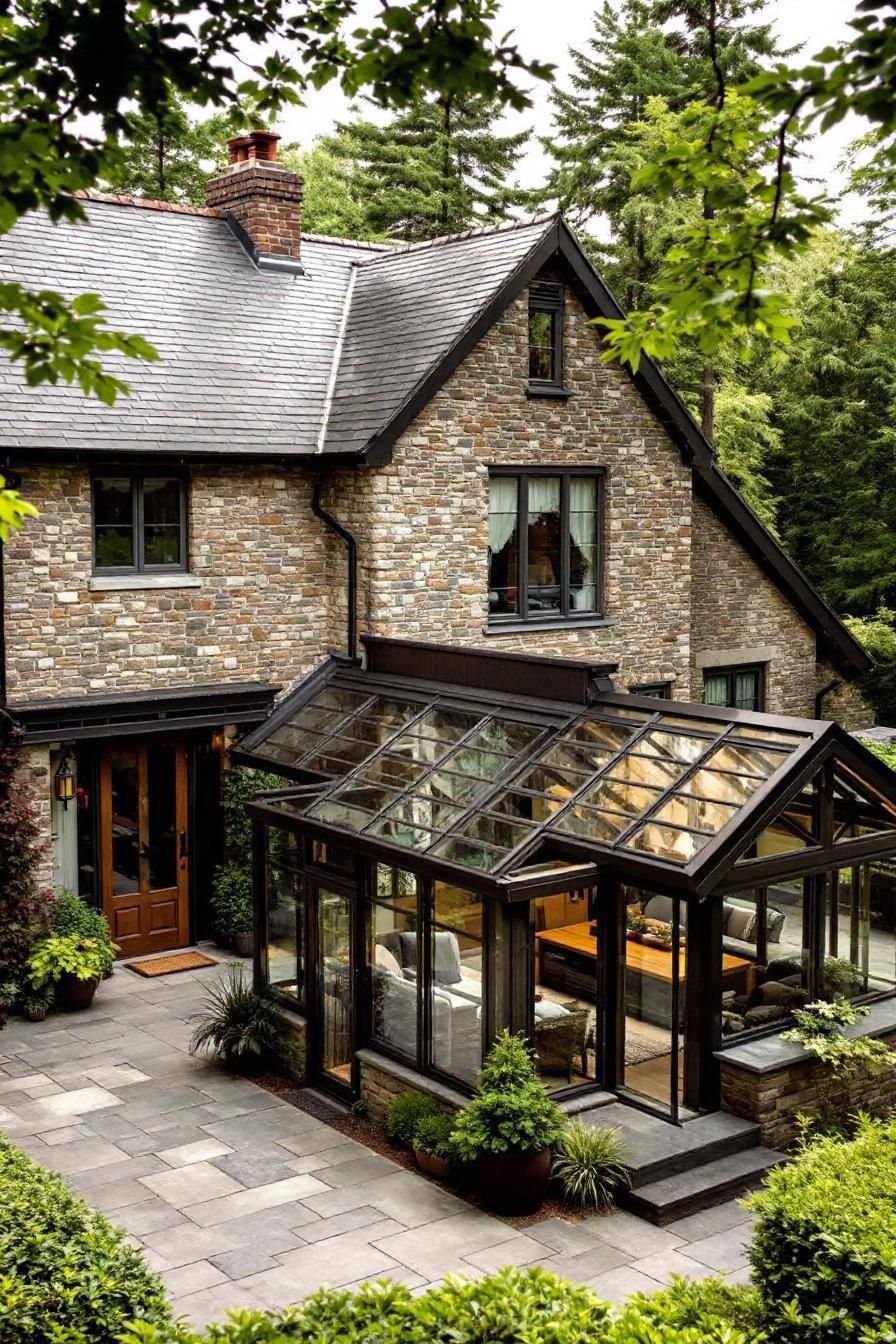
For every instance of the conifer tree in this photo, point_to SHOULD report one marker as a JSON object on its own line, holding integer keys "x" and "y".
{"x": 438, "y": 168}
{"x": 169, "y": 155}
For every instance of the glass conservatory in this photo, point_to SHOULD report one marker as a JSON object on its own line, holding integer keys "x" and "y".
{"x": 466, "y": 841}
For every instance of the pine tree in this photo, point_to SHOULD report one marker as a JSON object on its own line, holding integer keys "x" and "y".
{"x": 169, "y": 156}
{"x": 330, "y": 205}
{"x": 437, "y": 168}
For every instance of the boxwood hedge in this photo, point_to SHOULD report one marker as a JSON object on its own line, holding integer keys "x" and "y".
{"x": 824, "y": 1248}
{"x": 66, "y": 1275}
{"x": 514, "y": 1306}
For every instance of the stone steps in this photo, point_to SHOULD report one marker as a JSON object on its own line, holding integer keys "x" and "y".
{"x": 700, "y": 1187}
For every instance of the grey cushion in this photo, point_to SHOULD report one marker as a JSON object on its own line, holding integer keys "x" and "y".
{"x": 663, "y": 908}
{"x": 447, "y": 969}
{"x": 545, "y": 1010}
{"x": 774, "y": 922}
{"x": 741, "y": 924}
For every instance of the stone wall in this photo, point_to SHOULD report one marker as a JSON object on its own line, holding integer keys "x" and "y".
{"x": 775, "y": 1099}
{"x": 33, "y": 778}
{"x": 258, "y": 605}
{"x": 381, "y": 1082}
{"x": 740, "y": 617}
{"x": 846, "y": 704}
{"x": 422, "y": 522}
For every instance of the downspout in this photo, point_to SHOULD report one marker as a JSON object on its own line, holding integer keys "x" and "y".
{"x": 825, "y": 690}
{"x": 352, "y": 555}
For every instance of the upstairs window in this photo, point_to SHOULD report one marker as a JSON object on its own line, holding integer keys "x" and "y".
{"x": 544, "y": 545}
{"x": 545, "y": 338}
{"x": 139, "y": 524}
{"x": 734, "y": 687}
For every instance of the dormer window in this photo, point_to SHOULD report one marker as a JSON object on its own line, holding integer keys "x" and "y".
{"x": 546, "y": 340}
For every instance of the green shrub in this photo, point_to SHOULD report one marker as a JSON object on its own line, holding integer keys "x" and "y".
{"x": 231, "y": 895}
{"x": 231, "y": 900}
{"x": 514, "y": 1306}
{"x": 512, "y": 1111}
{"x": 238, "y": 1025}
{"x": 434, "y": 1134}
{"x": 588, "y": 1165}
{"x": 66, "y": 1275}
{"x": 405, "y": 1113}
{"x": 58, "y": 955}
{"x": 824, "y": 1248}
{"x": 687, "y": 1312}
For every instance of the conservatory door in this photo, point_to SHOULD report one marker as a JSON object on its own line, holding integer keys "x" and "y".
{"x": 143, "y": 832}
{"x": 335, "y": 987}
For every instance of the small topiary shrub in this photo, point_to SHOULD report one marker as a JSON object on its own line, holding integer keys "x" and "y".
{"x": 514, "y": 1306}
{"x": 511, "y": 1111}
{"x": 66, "y": 1275}
{"x": 434, "y": 1134}
{"x": 824, "y": 1248}
{"x": 588, "y": 1165}
{"x": 405, "y": 1114}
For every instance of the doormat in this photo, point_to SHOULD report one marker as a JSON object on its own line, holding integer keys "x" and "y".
{"x": 181, "y": 961}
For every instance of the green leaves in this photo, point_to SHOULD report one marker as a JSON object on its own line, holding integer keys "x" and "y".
{"x": 13, "y": 510}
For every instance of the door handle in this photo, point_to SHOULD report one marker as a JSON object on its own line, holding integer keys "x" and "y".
{"x": 182, "y": 848}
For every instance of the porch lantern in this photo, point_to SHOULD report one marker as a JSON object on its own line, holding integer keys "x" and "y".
{"x": 64, "y": 782}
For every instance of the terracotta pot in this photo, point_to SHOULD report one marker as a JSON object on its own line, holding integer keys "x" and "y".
{"x": 514, "y": 1182}
{"x": 432, "y": 1165}
{"x": 76, "y": 994}
{"x": 244, "y": 944}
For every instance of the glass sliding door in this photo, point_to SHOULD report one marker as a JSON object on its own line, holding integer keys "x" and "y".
{"x": 335, "y": 978}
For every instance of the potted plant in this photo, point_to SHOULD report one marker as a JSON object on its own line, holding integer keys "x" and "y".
{"x": 72, "y": 917}
{"x": 434, "y": 1144}
{"x": 238, "y": 1025}
{"x": 73, "y": 963}
{"x": 231, "y": 903}
{"x": 9, "y": 992}
{"x": 36, "y": 1003}
{"x": 508, "y": 1129}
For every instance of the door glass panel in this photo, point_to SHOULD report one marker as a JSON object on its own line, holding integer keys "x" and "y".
{"x": 161, "y": 839}
{"x": 286, "y": 929}
{"x": 334, "y": 929}
{"x": 124, "y": 788}
{"x": 456, "y": 957}
{"x": 655, "y": 970}
{"x": 564, "y": 989}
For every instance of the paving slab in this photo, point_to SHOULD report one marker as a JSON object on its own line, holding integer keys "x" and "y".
{"x": 192, "y": 1185}
{"x": 664, "y": 1265}
{"x": 519, "y": 1250}
{"x": 193, "y": 1278}
{"x": 238, "y": 1205}
{"x": 724, "y": 1251}
{"x": 202, "y": 1150}
{"x": 260, "y": 1167}
{"x": 615, "y": 1285}
{"x": 445, "y": 1243}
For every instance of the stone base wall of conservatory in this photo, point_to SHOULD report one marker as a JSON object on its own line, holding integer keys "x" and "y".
{"x": 777, "y": 1082}
{"x": 381, "y": 1080}
{"x": 295, "y": 1041}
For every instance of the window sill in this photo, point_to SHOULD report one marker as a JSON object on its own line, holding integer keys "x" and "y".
{"x": 115, "y": 583}
{"x": 554, "y": 390}
{"x": 557, "y": 623}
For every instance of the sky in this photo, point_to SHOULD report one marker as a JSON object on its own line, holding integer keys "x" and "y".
{"x": 547, "y": 30}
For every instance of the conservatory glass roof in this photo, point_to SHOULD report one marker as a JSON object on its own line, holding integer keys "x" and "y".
{"x": 475, "y": 781}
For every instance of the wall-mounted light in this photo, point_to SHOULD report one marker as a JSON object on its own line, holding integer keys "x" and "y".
{"x": 64, "y": 782}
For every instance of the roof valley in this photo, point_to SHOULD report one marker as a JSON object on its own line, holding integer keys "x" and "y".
{"x": 337, "y": 356}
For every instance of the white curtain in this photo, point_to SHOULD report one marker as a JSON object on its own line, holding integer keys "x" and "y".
{"x": 501, "y": 512}
{"x": 544, "y": 496}
{"x": 583, "y": 533}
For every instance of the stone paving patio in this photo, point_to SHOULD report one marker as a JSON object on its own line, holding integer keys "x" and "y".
{"x": 240, "y": 1200}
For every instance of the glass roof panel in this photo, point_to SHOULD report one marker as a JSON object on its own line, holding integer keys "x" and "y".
{"x": 666, "y": 842}
{"x": 556, "y": 781}
{"x": 416, "y": 811}
{"x": 695, "y": 813}
{"x": 673, "y": 746}
{"x": 601, "y": 734}
{"x": 628, "y": 712}
{"x": 621, "y": 797}
{"x": 590, "y": 824}
{"x": 495, "y": 831}
{"x": 389, "y": 769}
{"x": 400, "y": 833}
{"x": 457, "y": 850}
{"x": 571, "y": 755}
{"x": 656, "y": 774}
{"x": 759, "y": 761}
{"x": 721, "y": 787}
{"x": 769, "y": 735}
{"x": 525, "y": 806}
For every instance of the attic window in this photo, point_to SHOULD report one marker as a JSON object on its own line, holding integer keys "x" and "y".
{"x": 546, "y": 339}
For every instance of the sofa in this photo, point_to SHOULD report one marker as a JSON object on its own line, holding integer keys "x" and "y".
{"x": 738, "y": 922}
{"x": 456, "y": 1007}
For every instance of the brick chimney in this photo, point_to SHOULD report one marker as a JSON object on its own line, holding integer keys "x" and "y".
{"x": 262, "y": 196}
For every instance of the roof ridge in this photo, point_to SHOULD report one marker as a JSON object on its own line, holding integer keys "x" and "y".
{"x": 350, "y": 242}
{"x": 143, "y": 203}
{"x": 508, "y": 226}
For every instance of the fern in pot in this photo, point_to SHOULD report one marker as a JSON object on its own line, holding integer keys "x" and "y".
{"x": 509, "y": 1129}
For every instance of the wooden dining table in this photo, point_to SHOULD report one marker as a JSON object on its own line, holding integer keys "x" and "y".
{"x": 577, "y": 940}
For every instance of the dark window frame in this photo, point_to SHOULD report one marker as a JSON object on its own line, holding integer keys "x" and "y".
{"x": 657, "y": 690}
{"x": 547, "y": 298}
{"x": 137, "y": 478}
{"x": 566, "y": 613}
{"x": 732, "y": 671}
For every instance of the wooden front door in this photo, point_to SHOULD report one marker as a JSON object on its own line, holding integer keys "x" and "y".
{"x": 143, "y": 819}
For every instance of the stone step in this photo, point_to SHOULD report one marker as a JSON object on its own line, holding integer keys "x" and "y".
{"x": 653, "y": 1148}
{"x": 673, "y": 1197}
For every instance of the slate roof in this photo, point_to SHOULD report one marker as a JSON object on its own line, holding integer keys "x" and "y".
{"x": 335, "y": 362}
{"x": 247, "y": 357}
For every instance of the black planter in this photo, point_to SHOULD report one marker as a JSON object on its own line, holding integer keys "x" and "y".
{"x": 76, "y": 994}
{"x": 514, "y": 1183}
{"x": 244, "y": 944}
